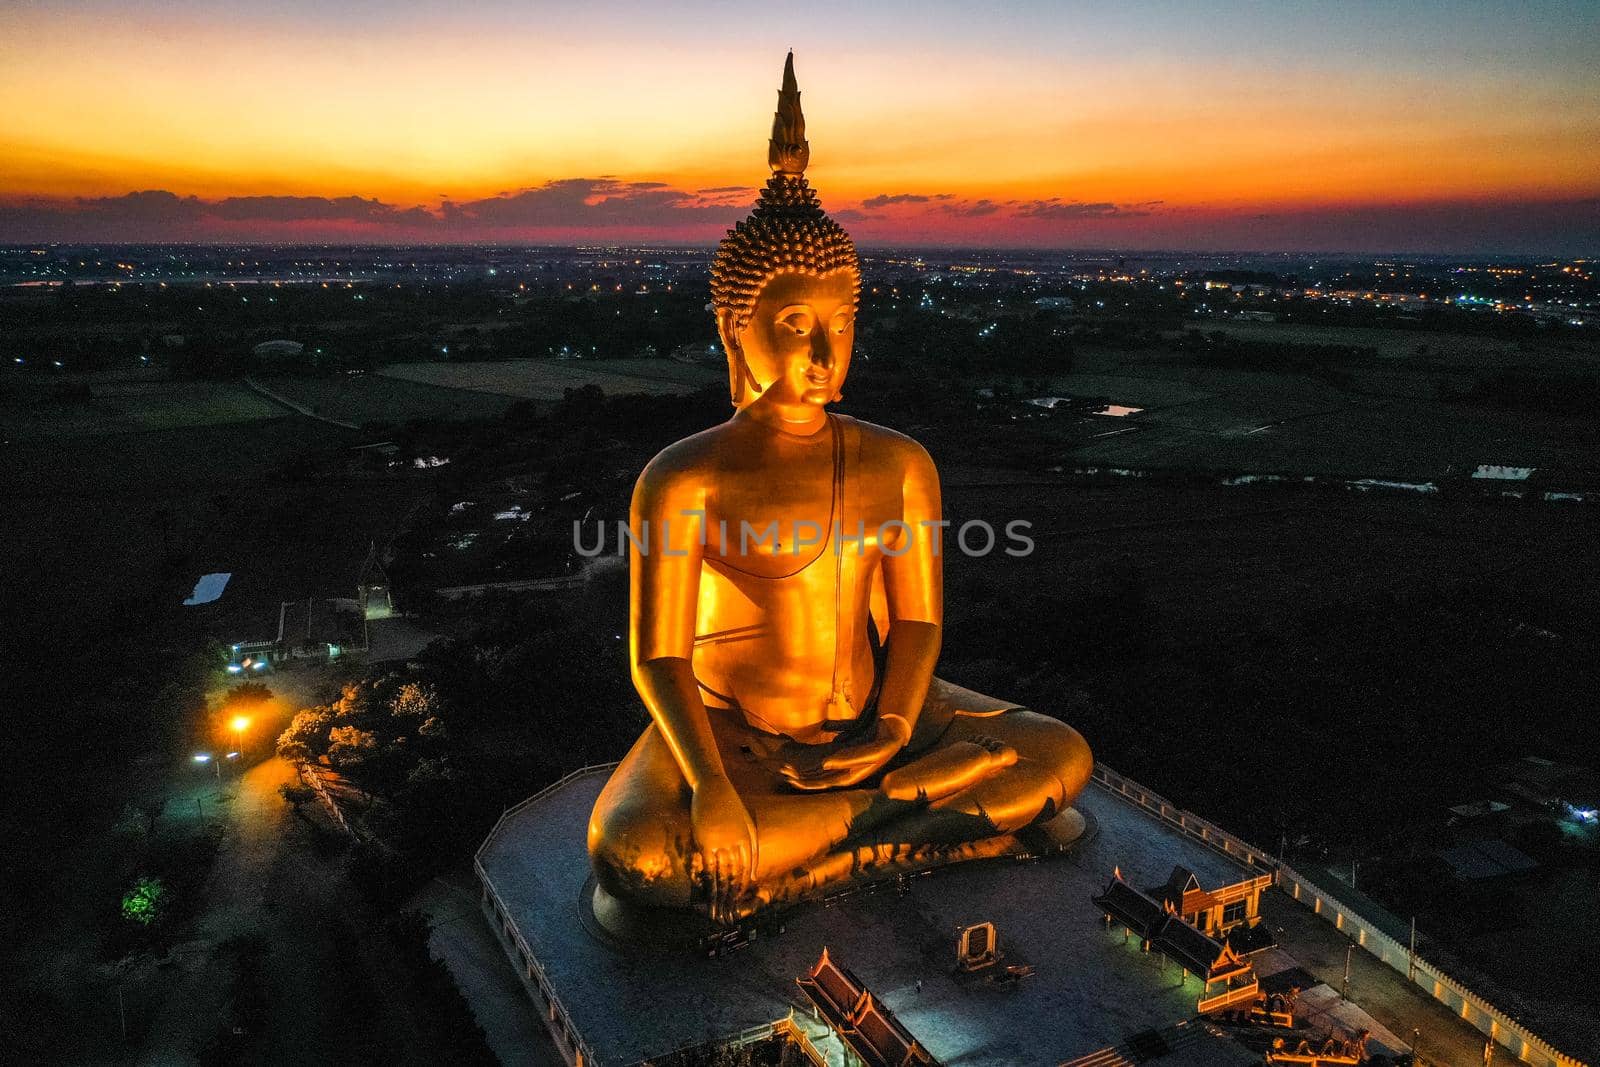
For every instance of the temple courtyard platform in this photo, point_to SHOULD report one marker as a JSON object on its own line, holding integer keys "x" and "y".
{"x": 1093, "y": 991}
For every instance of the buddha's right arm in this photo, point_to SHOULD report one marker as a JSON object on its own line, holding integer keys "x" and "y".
{"x": 664, "y": 570}
{"x": 668, "y": 688}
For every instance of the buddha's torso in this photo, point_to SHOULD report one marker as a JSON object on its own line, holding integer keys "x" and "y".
{"x": 772, "y": 613}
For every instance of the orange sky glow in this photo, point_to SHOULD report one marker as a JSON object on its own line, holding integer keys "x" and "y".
{"x": 944, "y": 135}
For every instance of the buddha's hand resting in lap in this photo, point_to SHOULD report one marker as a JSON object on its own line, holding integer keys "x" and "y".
{"x": 723, "y": 862}
{"x": 851, "y": 763}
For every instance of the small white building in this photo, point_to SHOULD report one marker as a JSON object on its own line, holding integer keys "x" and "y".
{"x": 1501, "y": 473}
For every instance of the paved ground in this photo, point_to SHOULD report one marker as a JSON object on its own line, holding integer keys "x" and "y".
{"x": 1320, "y": 1008}
{"x": 396, "y": 638}
{"x": 462, "y": 940}
{"x": 1092, "y": 990}
{"x": 1439, "y": 1036}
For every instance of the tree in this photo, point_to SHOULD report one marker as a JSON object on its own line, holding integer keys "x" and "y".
{"x": 145, "y": 902}
{"x": 246, "y": 693}
{"x": 350, "y": 747}
{"x": 307, "y": 735}
{"x": 414, "y": 700}
{"x": 296, "y": 795}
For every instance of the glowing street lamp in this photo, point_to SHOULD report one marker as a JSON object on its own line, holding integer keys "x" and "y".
{"x": 240, "y": 723}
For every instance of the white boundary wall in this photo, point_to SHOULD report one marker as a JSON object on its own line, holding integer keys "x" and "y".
{"x": 569, "y": 1042}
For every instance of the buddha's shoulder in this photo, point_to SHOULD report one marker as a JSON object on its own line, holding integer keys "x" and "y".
{"x": 892, "y": 446}
{"x": 683, "y": 461}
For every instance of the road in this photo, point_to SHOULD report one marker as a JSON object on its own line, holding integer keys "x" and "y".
{"x": 279, "y": 878}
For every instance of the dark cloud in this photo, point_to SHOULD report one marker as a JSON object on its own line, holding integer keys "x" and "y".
{"x": 151, "y": 214}
{"x": 884, "y": 200}
{"x": 1056, "y": 209}
{"x": 157, "y": 214}
{"x": 151, "y": 205}
{"x": 577, "y": 203}
{"x": 972, "y": 208}
{"x": 569, "y": 208}
{"x": 315, "y": 208}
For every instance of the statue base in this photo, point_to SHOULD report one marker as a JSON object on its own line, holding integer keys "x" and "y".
{"x": 606, "y": 999}
{"x": 639, "y": 929}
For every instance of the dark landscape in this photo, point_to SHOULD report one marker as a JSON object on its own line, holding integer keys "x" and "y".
{"x": 1314, "y": 556}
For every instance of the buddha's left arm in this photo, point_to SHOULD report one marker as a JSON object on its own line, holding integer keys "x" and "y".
{"x": 914, "y": 586}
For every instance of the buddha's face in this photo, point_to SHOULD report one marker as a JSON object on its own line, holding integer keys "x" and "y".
{"x": 797, "y": 342}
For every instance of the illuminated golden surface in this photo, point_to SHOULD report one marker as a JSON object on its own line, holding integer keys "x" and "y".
{"x": 790, "y": 752}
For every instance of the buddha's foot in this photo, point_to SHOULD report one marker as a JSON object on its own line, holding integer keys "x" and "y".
{"x": 868, "y": 863}
{"x": 948, "y": 770}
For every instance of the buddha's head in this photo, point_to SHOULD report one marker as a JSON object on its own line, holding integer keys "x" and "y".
{"x": 785, "y": 282}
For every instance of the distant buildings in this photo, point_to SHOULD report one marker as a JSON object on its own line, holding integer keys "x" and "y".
{"x": 1569, "y": 790}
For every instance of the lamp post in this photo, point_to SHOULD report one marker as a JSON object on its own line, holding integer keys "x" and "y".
{"x": 240, "y": 724}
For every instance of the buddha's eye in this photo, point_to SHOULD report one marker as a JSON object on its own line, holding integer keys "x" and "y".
{"x": 798, "y": 321}
{"x": 842, "y": 321}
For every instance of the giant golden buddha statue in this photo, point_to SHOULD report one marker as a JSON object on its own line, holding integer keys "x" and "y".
{"x": 786, "y": 601}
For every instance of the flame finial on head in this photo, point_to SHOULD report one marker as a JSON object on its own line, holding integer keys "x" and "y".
{"x": 787, "y": 233}
{"x": 788, "y": 152}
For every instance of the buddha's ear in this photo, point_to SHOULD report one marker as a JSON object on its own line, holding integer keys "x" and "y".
{"x": 738, "y": 371}
{"x": 730, "y": 346}
{"x": 725, "y": 330}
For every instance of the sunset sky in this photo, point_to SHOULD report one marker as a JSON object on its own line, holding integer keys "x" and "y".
{"x": 1301, "y": 126}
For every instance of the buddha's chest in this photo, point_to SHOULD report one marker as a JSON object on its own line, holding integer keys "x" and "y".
{"x": 769, "y": 523}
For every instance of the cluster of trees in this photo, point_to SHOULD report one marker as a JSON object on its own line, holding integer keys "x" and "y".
{"x": 447, "y": 1017}
{"x": 162, "y": 865}
{"x": 1125, "y": 335}
{"x": 602, "y": 443}
{"x": 1525, "y": 390}
{"x": 1356, "y": 722}
{"x": 1216, "y": 348}
{"x": 603, "y": 325}
{"x": 93, "y": 327}
{"x": 533, "y": 690}
{"x": 918, "y": 342}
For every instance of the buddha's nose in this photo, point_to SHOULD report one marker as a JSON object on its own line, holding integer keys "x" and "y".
{"x": 821, "y": 350}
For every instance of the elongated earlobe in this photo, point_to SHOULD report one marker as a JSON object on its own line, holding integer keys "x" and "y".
{"x": 739, "y": 376}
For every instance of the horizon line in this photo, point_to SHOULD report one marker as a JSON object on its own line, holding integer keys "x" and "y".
{"x": 710, "y": 246}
